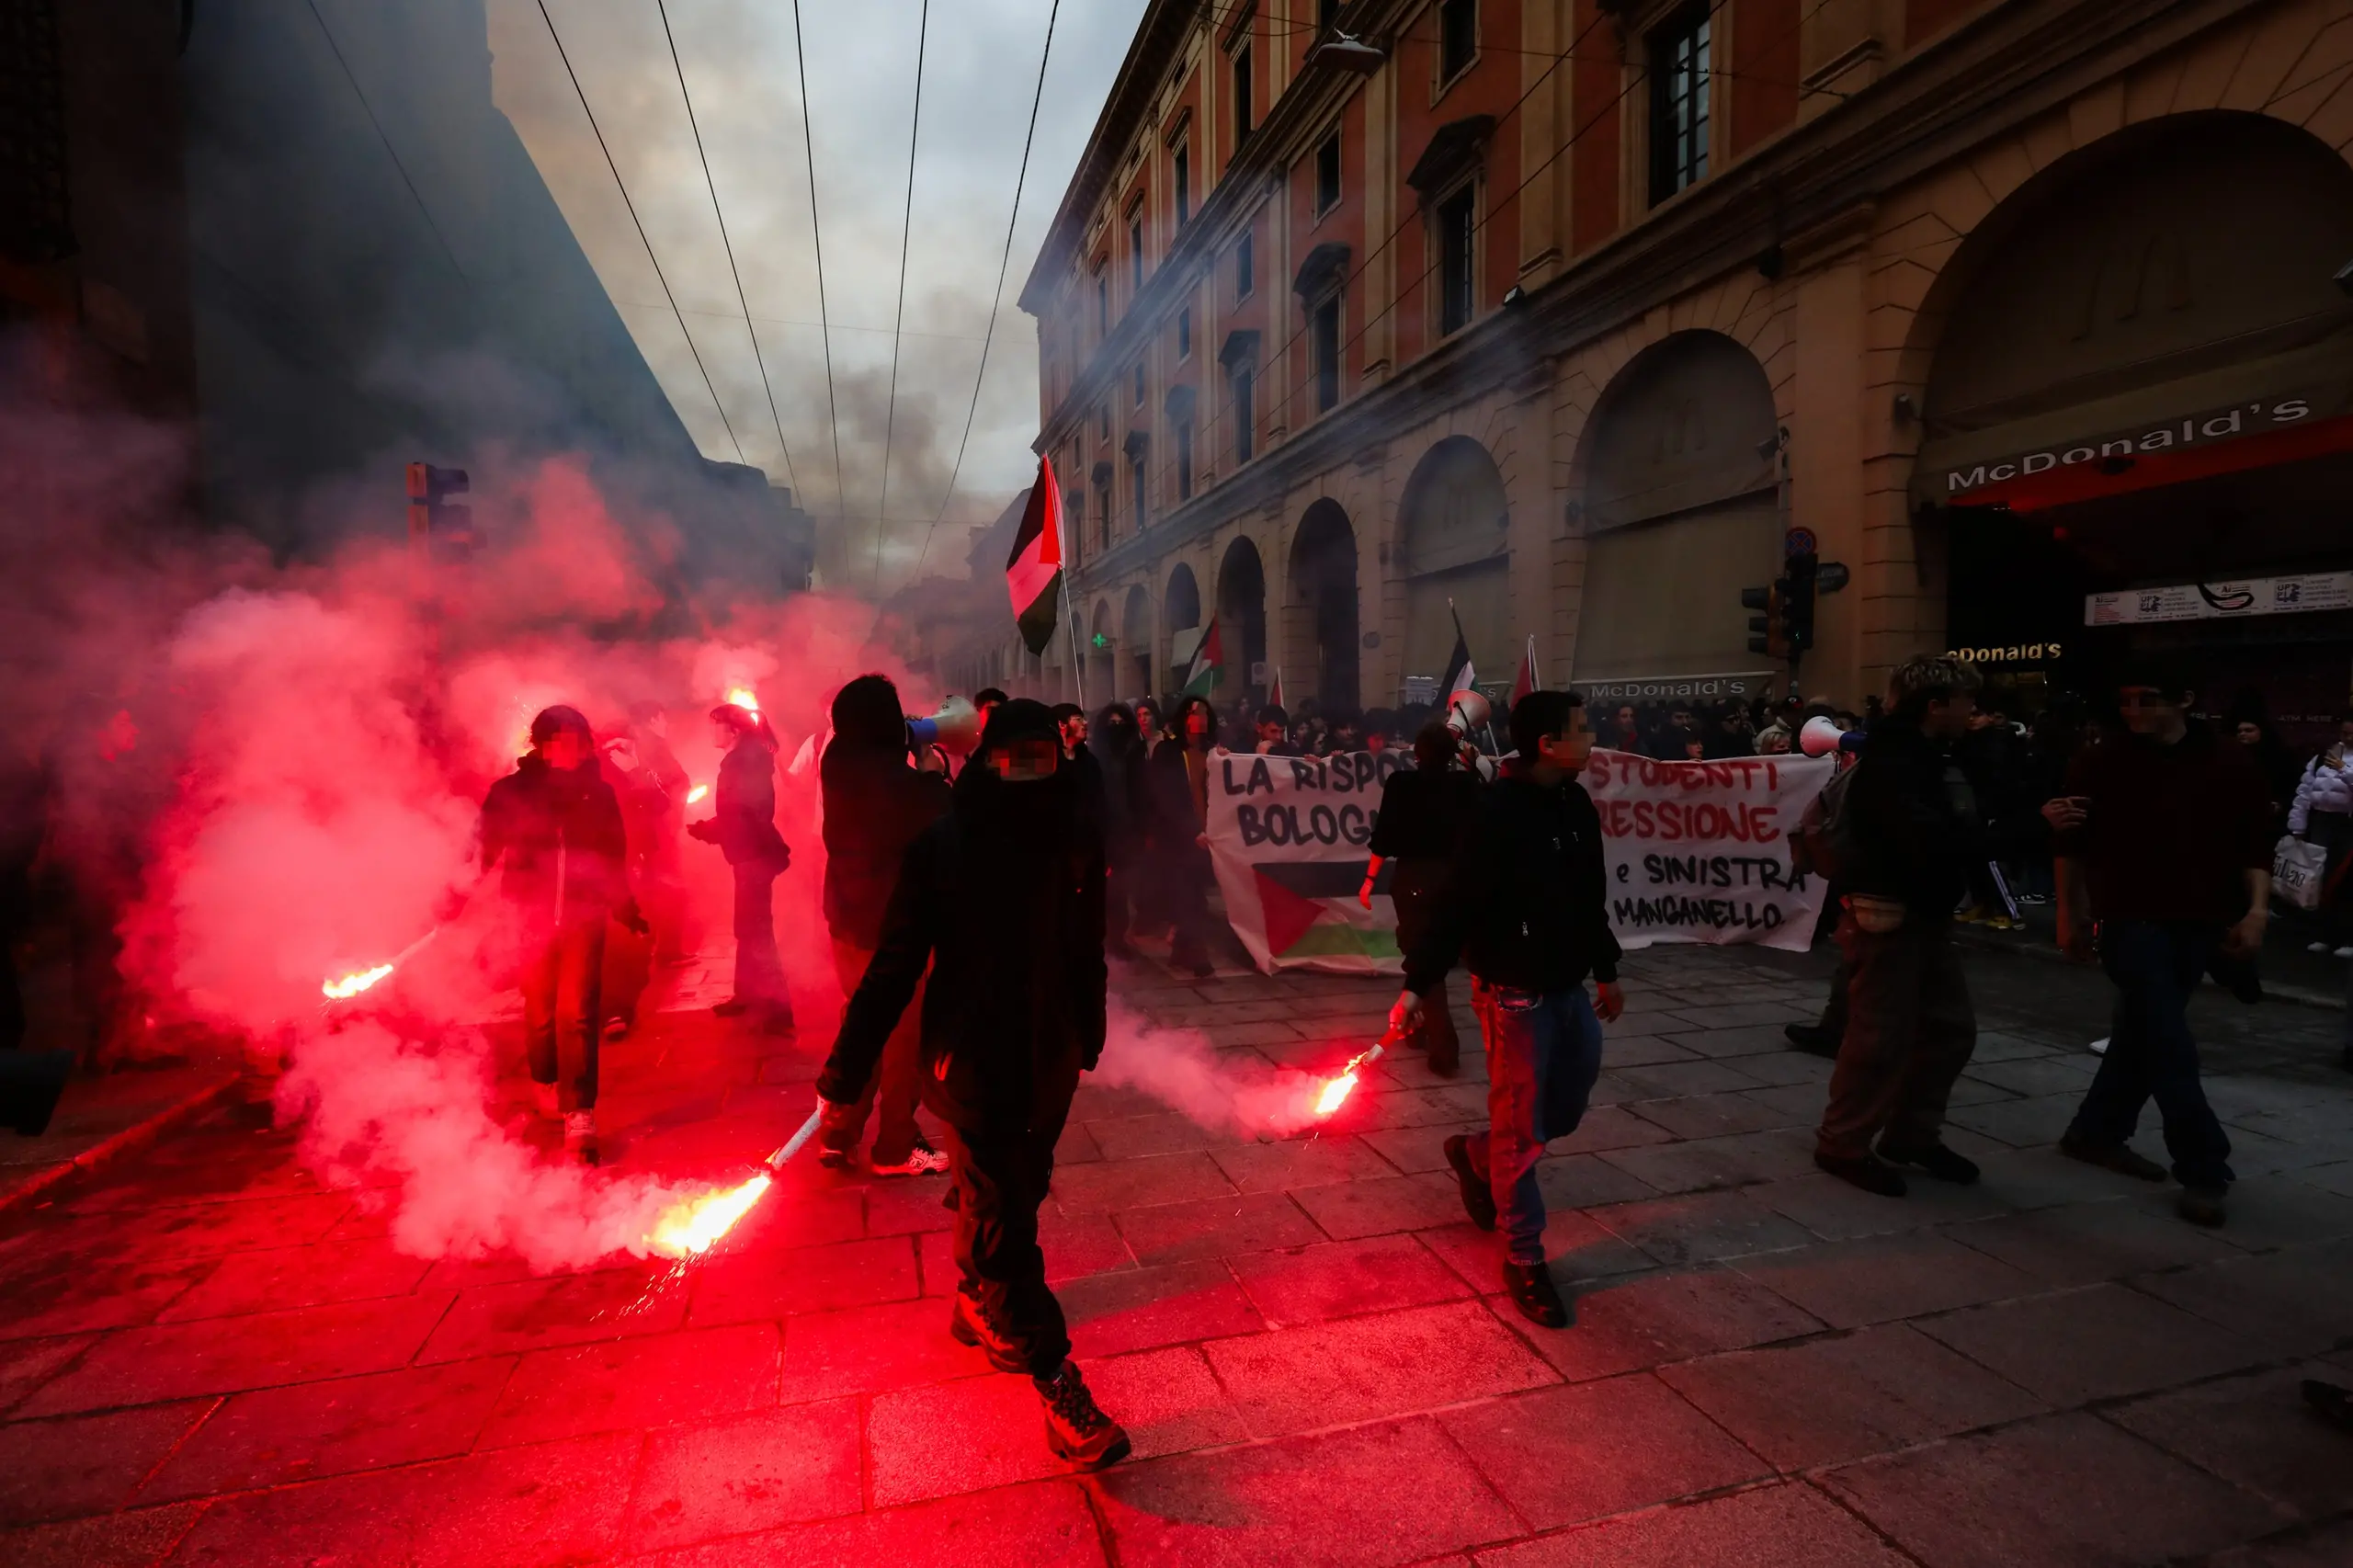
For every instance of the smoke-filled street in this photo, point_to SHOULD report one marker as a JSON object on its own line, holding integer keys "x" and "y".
{"x": 213, "y": 1359}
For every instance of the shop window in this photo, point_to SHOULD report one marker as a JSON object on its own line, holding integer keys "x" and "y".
{"x": 1458, "y": 235}
{"x": 1241, "y": 106}
{"x": 1457, "y": 38}
{"x": 1185, "y": 459}
{"x": 1183, "y": 179}
{"x": 1184, "y": 333}
{"x": 1678, "y": 120}
{"x": 1328, "y": 175}
{"x": 1243, "y": 394}
{"x": 1323, "y": 352}
{"x": 1246, "y": 267}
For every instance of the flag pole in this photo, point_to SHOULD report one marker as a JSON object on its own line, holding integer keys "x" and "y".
{"x": 1077, "y": 659}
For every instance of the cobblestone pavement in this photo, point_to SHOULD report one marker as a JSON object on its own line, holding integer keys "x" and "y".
{"x": 209, "y": 1359}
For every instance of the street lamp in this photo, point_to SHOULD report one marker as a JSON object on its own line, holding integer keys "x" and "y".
{"x": 1342, "y": 52}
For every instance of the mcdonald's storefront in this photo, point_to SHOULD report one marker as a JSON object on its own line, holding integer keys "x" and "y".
{"x": 2138, "y": 432}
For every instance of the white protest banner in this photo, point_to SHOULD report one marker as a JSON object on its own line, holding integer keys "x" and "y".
{"x": 1287, "y": 838}
{"x": 1699, "y": 851}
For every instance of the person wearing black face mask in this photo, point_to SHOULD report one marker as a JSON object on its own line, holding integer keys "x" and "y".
{"x": 1003, "y": 897}
{"x": 1117, "y": 744}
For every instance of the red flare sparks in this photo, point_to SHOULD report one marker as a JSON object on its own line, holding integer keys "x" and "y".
{"x": 696, "y": 796}
{"x": 1337, "y": 1090}
{"x": 352, "y": 985}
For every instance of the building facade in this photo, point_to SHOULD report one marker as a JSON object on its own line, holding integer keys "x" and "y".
{"x": 1559, "y": 317}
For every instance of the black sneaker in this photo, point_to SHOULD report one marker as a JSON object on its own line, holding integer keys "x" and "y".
{"x": 1871, "y": 1173}
{"x": 1478, "y": 1197}
{"x": 733, "y": 1006}
{"x": 1533, "y": 1292}
{"x": 1935, "y": 1160}
{"x": 2117, "y": 1157}
{"x": 1076, "y": 1429}
{"x": 968, "y": 1325}
{"x": 2201, "y": 1205}
{"x": 1811, "y": 1038}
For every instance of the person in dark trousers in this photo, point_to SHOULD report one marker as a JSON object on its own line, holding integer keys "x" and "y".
{"x": 876, "y": 804}
{"x": 1003, "y": 898}
{"x": 1117, "y": 746}
{"x": 1180, "y": 781}
{"x": 1425, "y": 813}
{"x": 742, "y": 825}
{"x": 1910, "y": 1025}
{"x": 552, "y": 828}
{"x": 1525, "y": 908}
{"x": 2164, "y": 837}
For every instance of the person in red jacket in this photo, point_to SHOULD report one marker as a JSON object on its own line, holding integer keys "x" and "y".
{"x": 553, "y": 829}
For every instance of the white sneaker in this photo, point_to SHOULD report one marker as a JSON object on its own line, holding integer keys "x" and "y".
{"x": 2099, "y": 1046}
{"x": 921, "y": 1161}
{"x": 543, "y": 1100}
{"x": 2342, "y": 953}
{"x": 580, "y": 1136}
{"x": 2315, "y": 946}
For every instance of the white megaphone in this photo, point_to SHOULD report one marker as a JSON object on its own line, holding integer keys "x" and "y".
{"x": 955, "y": 729}
{"x": 1820, "y": 737}
{"x": 1467, "y": 710}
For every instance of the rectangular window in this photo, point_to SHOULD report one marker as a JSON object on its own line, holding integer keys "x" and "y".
{"x": 1327, "y": 13}
{"x": 1457, "y": 236}
{"x": 1242, "y": 107}
{"x": 1458, "y": 37}
{"x": 1184, "y": 333}
{"x": 1102, "y": 305}
{"x": 1135, "y": 251}
{"x": 1245, "y": 397}
{"x": 1245, "y": 266}
{"x": 1679, "y": 76}
{"x": 1324, "y": 353}
{"x": 1184, "y": 183}
{"x": 1185, "y": 461}
{"x": 1139, "y": 380}
{"x": 1102, "y": 515}
{"x": 1328, "y": 175}
{"x": 1135, "y": 487}
{"x": 1103, "y": 422}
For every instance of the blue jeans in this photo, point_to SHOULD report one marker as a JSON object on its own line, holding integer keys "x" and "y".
{"x": 1543, "y": 1054}
{"x": 2150, "y": 1055}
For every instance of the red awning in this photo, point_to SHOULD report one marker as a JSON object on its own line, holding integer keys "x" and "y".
{"x": 2100, "y": 477}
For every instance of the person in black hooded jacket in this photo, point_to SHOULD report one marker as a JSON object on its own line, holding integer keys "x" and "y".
{"x": 875, "y": 806}
{"x": 742, "y": 825}
{"x": 1003, "y": 897}
{"x": 553, "y": 829}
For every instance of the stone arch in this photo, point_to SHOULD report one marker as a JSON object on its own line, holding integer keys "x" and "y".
{"x": 1180, "y": 616}
{"x": 1680, "y": 509}
{"x": 1323, "y": 585}
{"x": 1135, "y": 636}
{"x": 1454, "y": 544}
{"x": 1241, "y": 621}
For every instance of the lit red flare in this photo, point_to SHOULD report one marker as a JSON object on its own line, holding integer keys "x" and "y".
{"x": 696, "y": 796}
{"x": 744, "y": 697}
{"x": 685, "y": 1230}
{"x": 1337, "y": 1091}
{"x": 352, "y": 985}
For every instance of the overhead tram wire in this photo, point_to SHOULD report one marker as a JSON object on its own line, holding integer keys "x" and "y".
{"x": 565, "y": 55}
{"x": 389, "y": 151}
{"x": 996, "y": 300}
{"x": 906, "y": 233}
{"x": 817, "y": 243}
{"x": 726, "y": 243}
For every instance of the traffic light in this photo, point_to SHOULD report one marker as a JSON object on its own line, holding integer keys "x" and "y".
{"x": 1797, "y": 601}
{"x": 436, "y": 524}
{"x": 1767, "y": 633}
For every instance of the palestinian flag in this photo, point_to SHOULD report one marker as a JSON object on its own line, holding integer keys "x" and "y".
{"x": 1275, "y": 695}
{"x": 1460, "y": 676}
{"x": 1526, "y": 681}
{"x": 1033, "y": 573}
{"x": 1209, "y": 664}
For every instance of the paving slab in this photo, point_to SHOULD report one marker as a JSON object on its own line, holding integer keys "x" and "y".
{"x": 633, "y": 1384}
{"x": 1138, "y": 1309}
{"x": 137, "y": 1539}
{"x": 2288, "y": 1304}
{"x": 1765, "y": 1527}
{"x": 1881, "y": 1279}
{"x": 2086, "y": 1243}
{"x": 1215, "y": 1227}
{"x": 1046, "y": 1525}
{"x": 1365, "y": 1369}
{"x": 1564, "y": 1455}
{"x": 1701, "y": 1227}
{"x": 1637, "y": 1321}
{"x": 750, "y": 1473}
{"x": 2255, "y": 1430}
{"x": 73, "y": 1465}
{"x": 2100, "y": 1343}
{"x": 1347, "y": 1278}
{"x": 2063, "y": 1489}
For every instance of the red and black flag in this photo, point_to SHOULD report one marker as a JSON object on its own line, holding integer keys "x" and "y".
{"x": 1033, "y": 573}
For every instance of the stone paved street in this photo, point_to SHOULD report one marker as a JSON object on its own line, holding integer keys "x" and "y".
{"x": 208, "y": 1360}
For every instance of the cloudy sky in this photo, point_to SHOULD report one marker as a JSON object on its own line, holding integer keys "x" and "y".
{"x": 980, "y": 69}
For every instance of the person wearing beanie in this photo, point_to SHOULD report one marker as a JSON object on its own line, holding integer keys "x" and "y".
{"x": 553, "y": 828}
{"x": 875, "y": 805}
{"x": 742, "y": 825}
{"x": 1003, "y": 898}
